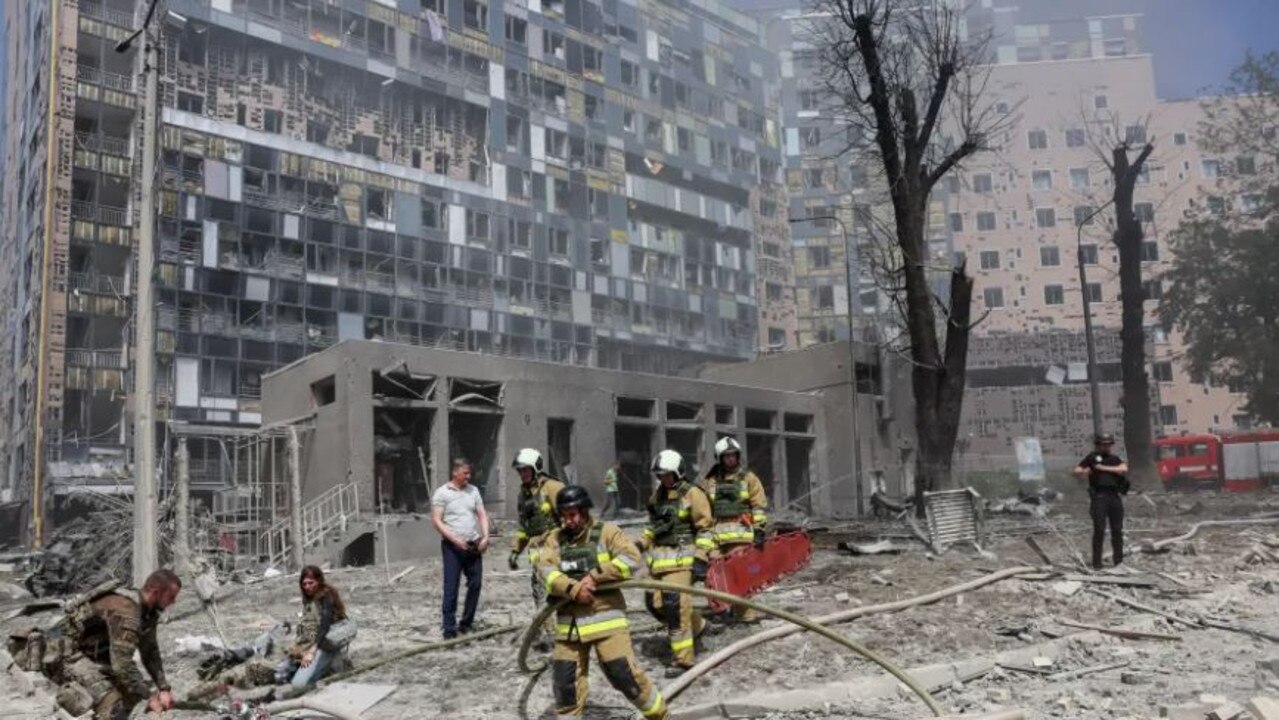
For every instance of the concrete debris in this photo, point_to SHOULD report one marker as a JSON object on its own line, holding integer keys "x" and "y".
{"x": 1227, "y": 711}
{"x": 270, "y": 573}
{"x": 1264, "y": 708}
{"x": 1067, "y": 587}
{"x": 1195, "y": 711}
{"x": 1042, "y": 662}
{"x": 883, "y": 547}
{"x": 1267, "y": 674}
{"x": 10, "y": 591}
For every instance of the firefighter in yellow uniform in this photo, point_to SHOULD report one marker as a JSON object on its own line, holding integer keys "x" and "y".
{"x": 575, "y": 560}
{"x": 738, "y": 502}
{"x": 678, "y": 542}
{"x": 536, "y": 505}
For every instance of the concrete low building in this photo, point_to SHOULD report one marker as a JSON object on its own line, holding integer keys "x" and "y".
{"x": 384, "y": 420}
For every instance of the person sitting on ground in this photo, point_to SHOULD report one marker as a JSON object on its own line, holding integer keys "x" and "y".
{"x": 314, "y": 654}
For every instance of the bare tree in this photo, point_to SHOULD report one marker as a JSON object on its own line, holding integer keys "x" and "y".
{"x": 1125, "y": 150}
{"x": 901, "y": 74}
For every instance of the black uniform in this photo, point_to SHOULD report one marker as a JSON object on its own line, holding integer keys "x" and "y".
{"x": 1106, "y": 489}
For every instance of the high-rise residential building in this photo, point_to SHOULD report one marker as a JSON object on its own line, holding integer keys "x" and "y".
{"x": 1074, "y": 87}
{"x": 595, "y": 183}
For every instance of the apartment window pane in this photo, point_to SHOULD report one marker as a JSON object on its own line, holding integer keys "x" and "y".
{"x": 1042, "y": 179}
{"x": 956, "y": 222}
{"x": 1179, "y": 139}
{"x": 1079, "y": 178}
{"x": 1144, "y": 211}
{"x": 1135, "y": 134}
{"x": 1154, "y": 289}
{"x": 1167, "y": 414}
{"x": 985, "y": 221}
{"x": 1038, "y": 139}
{"x": 819, "y": 256}
{"x": 1082, "y": 213}
{"x": 1054, "y": 295}
{"x": 1075, "y": 138}
{"x": 1045, "y": 217}
{"x": 1049, "y": 256}
{"x": 993, "y": 297}
{"x": 1088, "y": 253}
{"x": 983, "y": 183}
{"x": 989, "y": 259}
{"x": 1094, "y": 292}
{"x": 1211, "y": 168}
{"x": 1162, "y": 372}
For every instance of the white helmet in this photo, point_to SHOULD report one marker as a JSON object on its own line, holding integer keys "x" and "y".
{"x": 669, "y": 461}
{"x": 726, "y": 445}
{"x": 528, "y": 458}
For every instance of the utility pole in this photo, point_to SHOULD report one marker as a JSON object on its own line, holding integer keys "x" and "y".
{"x": 852, "y": 354}
{"x": 182, "y": 525}
{"x": 145, "y": 551}
{"x": 1094, "y": 382}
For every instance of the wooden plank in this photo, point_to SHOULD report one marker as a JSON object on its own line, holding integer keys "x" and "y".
{"x": 1121, "y": 632}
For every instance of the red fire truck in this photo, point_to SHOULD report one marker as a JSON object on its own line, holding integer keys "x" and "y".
{"x": 1234, "y": 462}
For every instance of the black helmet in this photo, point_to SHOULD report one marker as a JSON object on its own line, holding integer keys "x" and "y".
{"x": 573, "y": 496}
{"x": 1104, "y": 439}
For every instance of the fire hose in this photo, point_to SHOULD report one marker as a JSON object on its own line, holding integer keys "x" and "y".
{"x": 535, "y": 627}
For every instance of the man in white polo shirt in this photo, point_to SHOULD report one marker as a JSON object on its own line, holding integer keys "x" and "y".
{"x": 457, "y": 512}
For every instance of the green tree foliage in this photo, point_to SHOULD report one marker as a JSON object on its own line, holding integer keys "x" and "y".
{"x": 1222, "y": 292}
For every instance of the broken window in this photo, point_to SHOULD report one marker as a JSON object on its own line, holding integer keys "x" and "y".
{"x": 273, "y": 121}
{"x": 365, "y": 145}
{"x": 397, "y": 382}
{"x": 683, "y": 411}
{"x": 475, "y": 14}
{"x": 795, "y": 422}
{"x": 760, "y": 419}
{"x": 818, "y": 256}
{"x": 635, "y": 407}
{"x": 516, "y": 30}
{"x": 475, "y": 393}
{"x": 557, "y": 241}
{"x": 324, "y": 391}
{"x": 477, "y": 225}
{"x": 377, "y": 204}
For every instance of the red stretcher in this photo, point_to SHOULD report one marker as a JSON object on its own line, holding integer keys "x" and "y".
{"x": 745, "y": 571}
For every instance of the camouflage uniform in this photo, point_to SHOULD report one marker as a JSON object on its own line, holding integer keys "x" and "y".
{"x": 102, "y": 636}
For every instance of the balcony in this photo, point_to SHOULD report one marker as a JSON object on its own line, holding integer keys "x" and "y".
{"x": 97, "y": 284}
{"x": 104, "y": 214}
{"x": 109, "y": 80}
{"x": 111, "y": 16}
{"x": 103, "y": 143}
{"x": 96, "y": 358}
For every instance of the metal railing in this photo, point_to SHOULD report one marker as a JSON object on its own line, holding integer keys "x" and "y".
{"x": 103, "y": 143}
{"x": 98, "y": 284}
{"x": 111, "y": 16}
{"x": 96, "y": 358}
{"x": 331, "y": 511}
{"x": 109, "y": 80}
{"x": 105, "y": 214}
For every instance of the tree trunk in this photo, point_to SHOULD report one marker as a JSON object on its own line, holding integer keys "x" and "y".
{"x": 1136, "y": 384}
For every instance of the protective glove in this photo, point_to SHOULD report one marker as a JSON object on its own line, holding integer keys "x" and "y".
{"x": 513, "y": 561}
{"x": 759, "y": 538}
{"x": 700, "y": 569}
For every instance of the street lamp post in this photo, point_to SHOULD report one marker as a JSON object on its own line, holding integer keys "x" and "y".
{"x": 852, "y": 354}
{"x": 1094, "y": 385}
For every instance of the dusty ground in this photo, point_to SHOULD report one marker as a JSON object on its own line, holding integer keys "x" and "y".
{"x": 481, "y": 681}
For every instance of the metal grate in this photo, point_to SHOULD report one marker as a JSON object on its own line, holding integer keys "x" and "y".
{"x": 953, "y": 517}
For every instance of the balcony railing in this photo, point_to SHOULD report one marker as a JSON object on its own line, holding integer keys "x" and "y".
{"x": 96, "y": 358}
{"x": 105, "y": 214}
{"x": 111, "y": 16}
{"x": 98, "y": 284}
{"x": 103, "y": 143}
{"x": 109, "y": 80}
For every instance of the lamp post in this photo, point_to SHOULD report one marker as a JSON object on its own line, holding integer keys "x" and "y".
{"x": 145, "y": 550}
{"x": 852, "y": 354}
{"x": 1094, "y": 386}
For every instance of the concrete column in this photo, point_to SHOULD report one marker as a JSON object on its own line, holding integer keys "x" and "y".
{"x": 296, "y": 530}
{"x": 182, "y": 543}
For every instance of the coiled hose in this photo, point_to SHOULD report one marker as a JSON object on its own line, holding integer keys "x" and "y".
{"x": 535, "y": 627}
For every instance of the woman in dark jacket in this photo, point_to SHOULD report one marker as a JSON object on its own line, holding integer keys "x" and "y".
{"x": 313, "y": 655}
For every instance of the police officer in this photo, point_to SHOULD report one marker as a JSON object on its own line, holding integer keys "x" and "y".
{"x": 98, "y": 673}
{"x": 574, "y": 561}
{"x": 678, "y": 542}
{"x": 738, "y": 502}
{"x": 1107, "y": 476}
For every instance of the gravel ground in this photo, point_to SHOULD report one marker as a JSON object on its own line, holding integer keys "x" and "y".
{"x": 481, "y": 680}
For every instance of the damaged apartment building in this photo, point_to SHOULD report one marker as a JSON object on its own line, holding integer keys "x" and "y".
{"x": 580, "y": 182}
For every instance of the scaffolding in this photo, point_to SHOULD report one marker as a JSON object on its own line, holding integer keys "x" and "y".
{"x": 238, "y": 479}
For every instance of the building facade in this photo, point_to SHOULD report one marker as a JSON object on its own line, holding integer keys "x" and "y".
{"x": 1075, "y": 88}
{"x": 565, "y": 180}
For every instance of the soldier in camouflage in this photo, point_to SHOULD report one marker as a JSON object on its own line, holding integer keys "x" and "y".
{"x": 98, "y": 673}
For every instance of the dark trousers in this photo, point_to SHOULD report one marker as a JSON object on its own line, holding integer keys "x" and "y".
{"x": 456, "y": 563}
{"x": 1107, "y": 508}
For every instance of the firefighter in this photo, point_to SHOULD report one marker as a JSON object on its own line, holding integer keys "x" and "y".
{"x": 536, "y": 504}
{"x": 573, "y": 562}
{"x": 738, "y": 502}
{"x": 678, "y": 542}
{"x": 90, "y": 652}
